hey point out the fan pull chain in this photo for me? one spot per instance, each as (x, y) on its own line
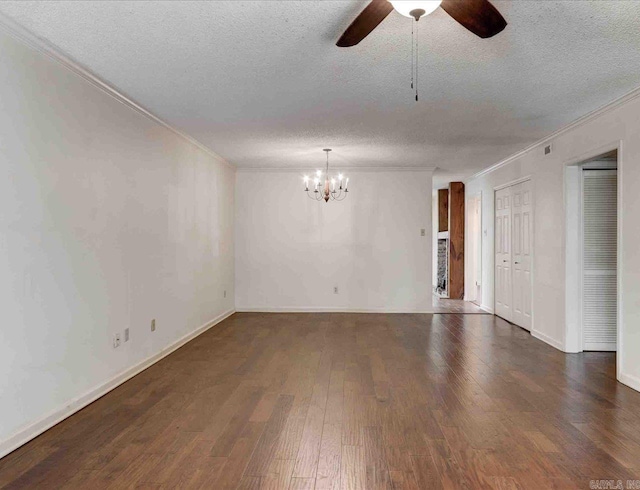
(416, 61)
(412, 54)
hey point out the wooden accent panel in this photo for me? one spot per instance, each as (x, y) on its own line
(456, 240)
(443, 210)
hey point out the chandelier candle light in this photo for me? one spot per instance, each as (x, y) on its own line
(328, 191)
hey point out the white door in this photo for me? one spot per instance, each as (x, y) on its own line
(513, 253)
(521, 254)
(477, 250)
(473, 255)
(599, 259)
(503, 253)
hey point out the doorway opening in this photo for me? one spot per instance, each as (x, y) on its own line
(451, 251)
(592, 217)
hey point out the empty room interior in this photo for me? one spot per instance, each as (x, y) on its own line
(351, 244)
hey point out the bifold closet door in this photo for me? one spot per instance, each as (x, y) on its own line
(513, 253)
(599, 259)
(521, 253)
(502, 275)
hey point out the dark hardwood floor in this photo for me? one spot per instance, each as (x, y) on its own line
(332, 401)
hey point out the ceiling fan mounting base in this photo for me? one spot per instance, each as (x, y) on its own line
(478, 16)
(417, 13)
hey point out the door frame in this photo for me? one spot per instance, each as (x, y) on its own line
(477, 197)
(533, 248)
(573, 341)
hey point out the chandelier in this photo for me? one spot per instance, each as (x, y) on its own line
(329, 190)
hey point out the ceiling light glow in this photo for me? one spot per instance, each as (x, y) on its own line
(405, 7)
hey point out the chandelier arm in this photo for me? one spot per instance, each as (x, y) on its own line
(311, 196)
(344, 196)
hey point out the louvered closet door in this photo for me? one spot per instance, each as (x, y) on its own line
(503, 253)
(599, 259)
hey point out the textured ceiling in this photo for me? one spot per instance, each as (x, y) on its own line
(263, 84)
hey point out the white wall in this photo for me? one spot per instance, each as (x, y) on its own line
(108, 220)
(618, 125)
(292, 251)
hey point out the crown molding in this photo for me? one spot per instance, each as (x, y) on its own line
(353, 169)
(513, 182)
(16, 31)
(590, 116)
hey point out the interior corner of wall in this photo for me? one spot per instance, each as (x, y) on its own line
(629, 380)
(487, 308)
(548, 340)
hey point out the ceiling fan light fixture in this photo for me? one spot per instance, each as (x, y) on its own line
(409, 8)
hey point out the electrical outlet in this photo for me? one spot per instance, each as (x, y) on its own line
(335, 290)
(225, 293)
(126, 335)
(153, 325)
(116, 340)
(423, 232)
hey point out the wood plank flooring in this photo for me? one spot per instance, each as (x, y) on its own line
(446, 305)
(349, 401)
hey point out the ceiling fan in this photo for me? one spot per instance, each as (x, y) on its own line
(478, 16)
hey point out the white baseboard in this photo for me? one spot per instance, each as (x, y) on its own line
(571, 350)
(27, 433)
(548, 340)
(324, 309)
(486, 308)
(632, 382)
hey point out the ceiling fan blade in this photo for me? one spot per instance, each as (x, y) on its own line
(479, 16)
(367, 21)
